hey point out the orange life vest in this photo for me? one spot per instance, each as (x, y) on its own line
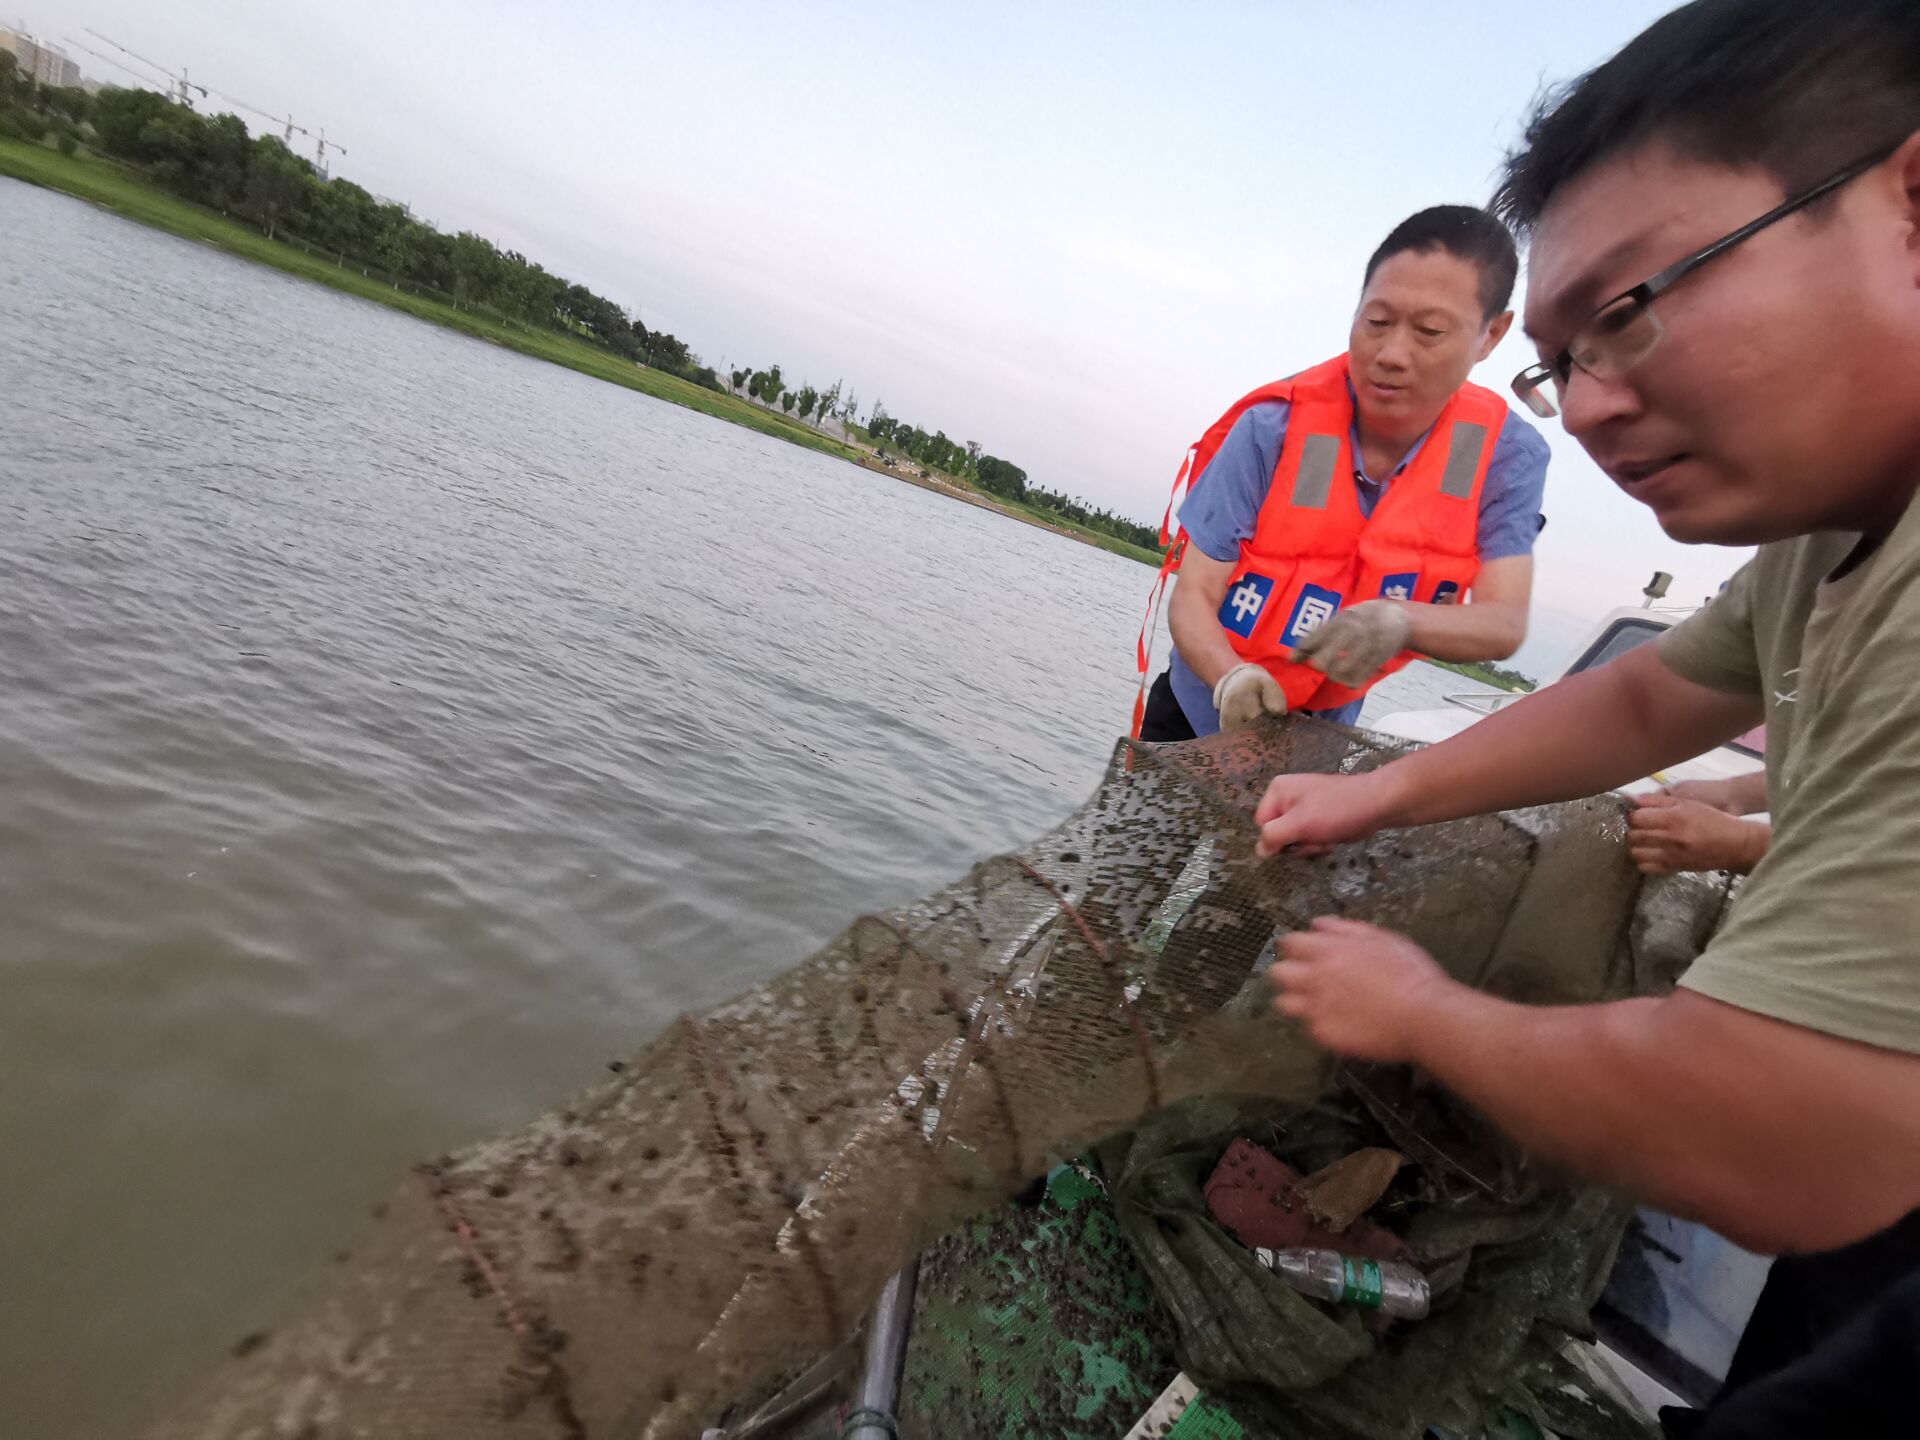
(1312, 551)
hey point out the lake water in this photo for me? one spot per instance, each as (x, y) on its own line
(392, 728)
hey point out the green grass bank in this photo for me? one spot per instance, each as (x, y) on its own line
(113, 187)
(124, 191)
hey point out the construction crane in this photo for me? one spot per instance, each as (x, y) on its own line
(320, 148)
(289, 129)
(179, 87)
(285, 121)
(109, 60)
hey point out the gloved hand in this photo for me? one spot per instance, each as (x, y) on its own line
(1245, 693)
(1353, 647)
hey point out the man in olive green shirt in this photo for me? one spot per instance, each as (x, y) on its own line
(1831, 939)
(1724, 289)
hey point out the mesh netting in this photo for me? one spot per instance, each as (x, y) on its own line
(723, 1210)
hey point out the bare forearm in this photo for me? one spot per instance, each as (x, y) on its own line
(1193, 621)
(1570, 1084)
(1747, 794)
(1581, 736)
(1757, 839)
(1479, 631)
(1778, 1137)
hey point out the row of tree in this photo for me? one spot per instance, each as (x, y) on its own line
(769, 388)
(213, 161)
(1002, 478)
(934, 451)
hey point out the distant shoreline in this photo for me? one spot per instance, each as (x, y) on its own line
(123, 191)
(1486, 673)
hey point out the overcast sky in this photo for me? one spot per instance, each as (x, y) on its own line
(1072, 233)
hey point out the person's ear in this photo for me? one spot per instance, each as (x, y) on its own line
(1496, 332)
(1906, 165)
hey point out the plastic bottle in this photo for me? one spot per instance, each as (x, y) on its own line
(1383, 1285)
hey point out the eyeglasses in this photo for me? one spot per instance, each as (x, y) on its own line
(1625, 331)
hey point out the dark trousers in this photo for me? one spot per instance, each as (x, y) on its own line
(1164, 719)
(1833, 1348)
(1862, 1383)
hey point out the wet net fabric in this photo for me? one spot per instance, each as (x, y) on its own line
(672, 1244)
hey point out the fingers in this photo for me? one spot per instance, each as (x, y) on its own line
(1325, 937)
(1287, 832)
(1311, 814)
(1657, 801)
(1276, 817)
(1284, 834)
(1273, 700)
(1661, 821)
(1657, 858)
(1711, 793)
(1341, 925)
(1317, 649)
(1313, 641)
(1288, 974)
(1245, 694)
(1280, 795)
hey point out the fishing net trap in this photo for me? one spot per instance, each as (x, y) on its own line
(662, 1254)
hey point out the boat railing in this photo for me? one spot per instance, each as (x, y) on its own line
(1479, 701)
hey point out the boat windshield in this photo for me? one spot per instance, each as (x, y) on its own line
(1625, 634)
(1631, 632)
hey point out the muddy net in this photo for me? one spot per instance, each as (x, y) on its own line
(672, 1245)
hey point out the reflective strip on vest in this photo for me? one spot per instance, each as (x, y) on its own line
(1463, 459)
(1313, 486)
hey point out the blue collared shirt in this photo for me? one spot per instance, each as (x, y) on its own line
(1223, 508)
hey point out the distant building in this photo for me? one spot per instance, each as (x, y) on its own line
(46, 63)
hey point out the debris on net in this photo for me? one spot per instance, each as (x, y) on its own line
(721, 1213)
(1514, 1275)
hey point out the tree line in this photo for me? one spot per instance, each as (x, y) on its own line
(1002, 478)
(934, 451)
(770, 388)
(213, 161)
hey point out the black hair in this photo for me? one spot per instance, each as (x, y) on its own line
(1465, 231)
(1798, 88)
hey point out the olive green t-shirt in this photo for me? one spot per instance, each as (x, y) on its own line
(1826, 933)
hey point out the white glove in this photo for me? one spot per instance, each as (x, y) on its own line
(1356, 644)
(1245, 693)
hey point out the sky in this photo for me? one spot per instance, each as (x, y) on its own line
(1073, 233)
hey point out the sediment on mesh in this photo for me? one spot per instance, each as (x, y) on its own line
(725, 1208)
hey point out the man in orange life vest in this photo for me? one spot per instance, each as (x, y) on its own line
(1364, 510)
